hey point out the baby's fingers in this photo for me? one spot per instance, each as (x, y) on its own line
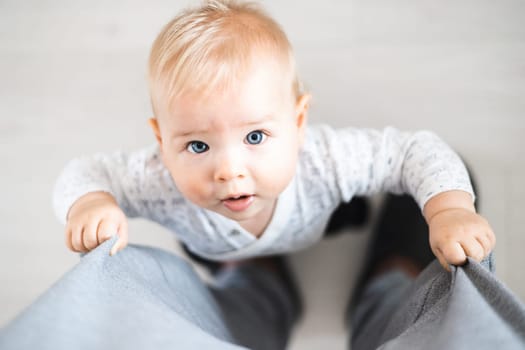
(106, 230)
(442, 261)
(451, 254)
(487, 241)
(122, 241)
(76, 239)
(475, 249)
(68, 238)
(89, 235)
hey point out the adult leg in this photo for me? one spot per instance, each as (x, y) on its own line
(466, 308)
(260, 302)
(147, 298)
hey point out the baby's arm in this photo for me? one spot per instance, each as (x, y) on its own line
(367, 161)
(456, 231)
(93, 196)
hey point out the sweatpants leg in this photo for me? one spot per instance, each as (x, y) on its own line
(467, 308)
(259, 309)
(141, 298)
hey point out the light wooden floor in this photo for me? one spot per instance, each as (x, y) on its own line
(72, 82)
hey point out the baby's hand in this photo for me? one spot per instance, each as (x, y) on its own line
(457, 233)
(93, 219)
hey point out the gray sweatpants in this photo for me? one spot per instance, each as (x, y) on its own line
(465, 309)
(146, 298)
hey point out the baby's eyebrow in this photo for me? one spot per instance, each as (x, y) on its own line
(184, 133)
(187, 133)
(261, 120)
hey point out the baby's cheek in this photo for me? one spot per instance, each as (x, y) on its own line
(195, 193)
(278, 172)
(191, 187)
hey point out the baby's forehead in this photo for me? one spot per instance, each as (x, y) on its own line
(264, 80)
(249, 103)
(219, 74)
(213, 48)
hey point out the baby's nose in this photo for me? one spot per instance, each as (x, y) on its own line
(229, 167)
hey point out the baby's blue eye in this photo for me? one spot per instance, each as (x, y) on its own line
(255, 137)
(197, 147)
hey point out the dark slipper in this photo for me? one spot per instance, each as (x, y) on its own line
(353, 214)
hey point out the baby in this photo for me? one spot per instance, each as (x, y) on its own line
(236, 171)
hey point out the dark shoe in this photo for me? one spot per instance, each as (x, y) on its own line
(353, 214)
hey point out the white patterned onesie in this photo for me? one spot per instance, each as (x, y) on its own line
(334, 165)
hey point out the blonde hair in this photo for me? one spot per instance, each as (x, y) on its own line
(212, 47)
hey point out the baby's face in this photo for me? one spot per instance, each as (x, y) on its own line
(236, 151)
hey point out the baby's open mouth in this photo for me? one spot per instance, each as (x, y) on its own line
(238, 197)
(238, 202)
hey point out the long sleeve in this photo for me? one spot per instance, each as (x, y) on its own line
(143, 187)
(366, 161)
(334, 165)
(132, 179)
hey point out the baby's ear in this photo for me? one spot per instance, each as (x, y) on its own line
(301, 109)
(301, 113)
(154, 124)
